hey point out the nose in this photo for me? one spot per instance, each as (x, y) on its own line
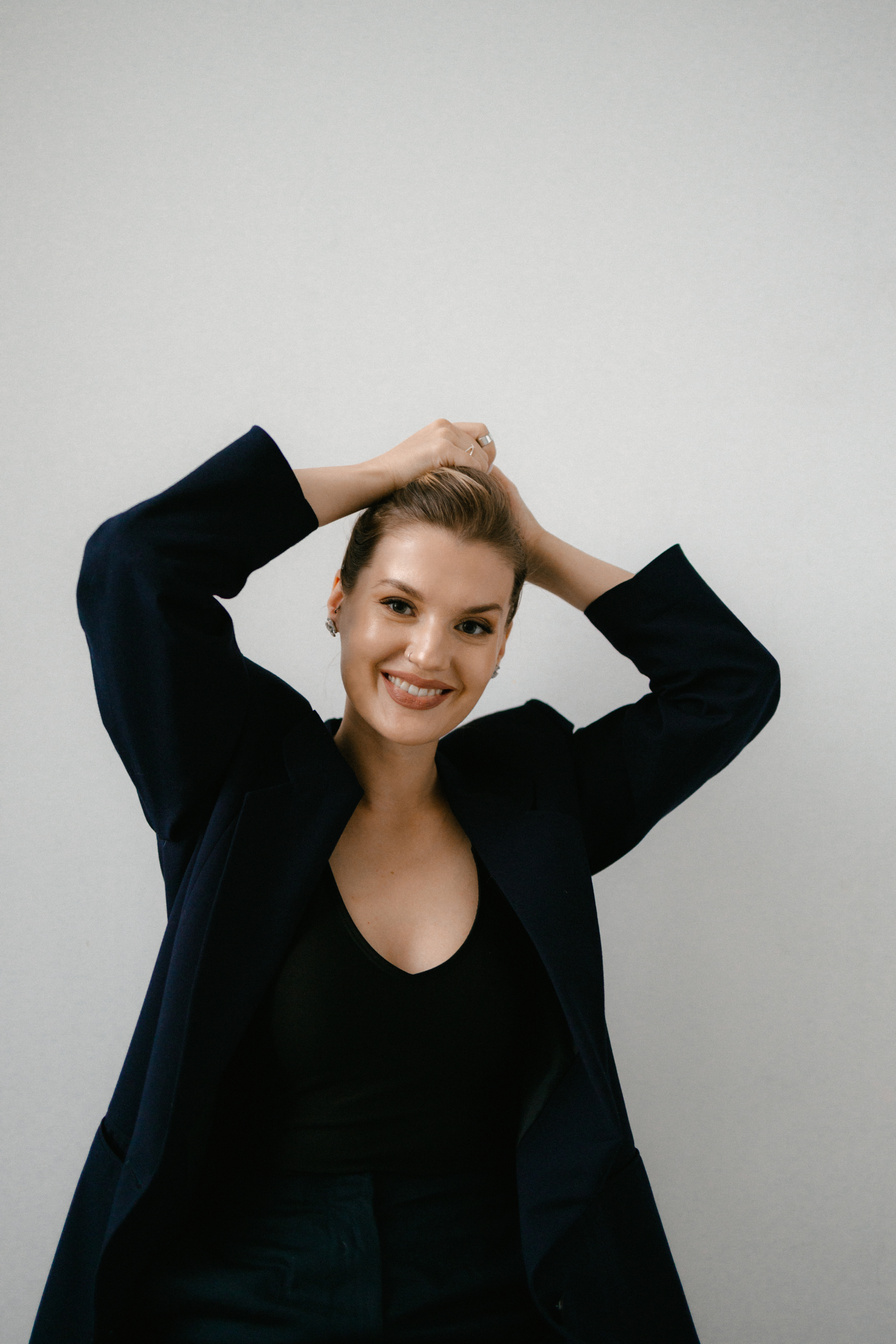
(427, 647)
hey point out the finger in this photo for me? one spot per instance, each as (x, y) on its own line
(483, 454)
(488, 447)
(474, 429)
(490, 451)
(476, 456)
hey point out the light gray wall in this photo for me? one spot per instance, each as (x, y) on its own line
(652, 246)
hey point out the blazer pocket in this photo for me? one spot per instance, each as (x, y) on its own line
(115, 1147)
(614, 1270)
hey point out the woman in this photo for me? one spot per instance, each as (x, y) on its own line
(371, 1094)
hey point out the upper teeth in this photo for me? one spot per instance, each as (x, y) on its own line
(412, 690)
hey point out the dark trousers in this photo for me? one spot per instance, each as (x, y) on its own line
(333, 1259)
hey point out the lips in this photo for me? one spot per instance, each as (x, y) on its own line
(423, 695)
(413, 680)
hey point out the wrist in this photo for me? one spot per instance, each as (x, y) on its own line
(335, 492)
(538, 551)
(378, 475)
(571, 574)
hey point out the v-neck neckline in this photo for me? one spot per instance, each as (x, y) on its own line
(389, 966)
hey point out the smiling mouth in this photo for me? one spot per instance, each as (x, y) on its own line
(409, 696)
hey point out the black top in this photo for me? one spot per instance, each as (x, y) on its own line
(380, 1069)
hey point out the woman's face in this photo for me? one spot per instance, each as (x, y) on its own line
(429, 610)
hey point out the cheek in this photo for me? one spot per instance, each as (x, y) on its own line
(365, 644)
(369, 640)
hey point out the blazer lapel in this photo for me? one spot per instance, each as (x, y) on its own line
(283, 840)
(280, 846)
(536, 858)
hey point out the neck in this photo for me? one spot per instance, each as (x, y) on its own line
(398, 779)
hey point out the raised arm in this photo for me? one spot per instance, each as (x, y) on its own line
(713, 686)
(170, 680)
(554, 564)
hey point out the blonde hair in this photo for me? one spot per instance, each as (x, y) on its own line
(461, 500)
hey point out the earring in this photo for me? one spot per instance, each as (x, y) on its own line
(331, 625)
(495, 673)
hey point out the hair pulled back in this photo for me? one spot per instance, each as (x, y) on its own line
(461, 500)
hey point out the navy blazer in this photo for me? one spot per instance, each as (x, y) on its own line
(248, 793)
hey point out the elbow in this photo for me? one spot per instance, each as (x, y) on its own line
(94, 568)
(771, 677)
(106, 554)
(747, 709)
(751, 695)
(767, 691)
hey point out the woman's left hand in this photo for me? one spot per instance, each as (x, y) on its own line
(530, 529)
(555, 565)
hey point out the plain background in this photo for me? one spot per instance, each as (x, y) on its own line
(651, 245)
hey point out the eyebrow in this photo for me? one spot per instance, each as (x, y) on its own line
(412, 592)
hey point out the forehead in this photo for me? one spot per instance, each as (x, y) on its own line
(440, 564)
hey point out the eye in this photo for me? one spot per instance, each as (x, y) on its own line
(478, 630)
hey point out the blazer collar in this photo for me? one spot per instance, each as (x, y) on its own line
(316, 766)
(317, 769)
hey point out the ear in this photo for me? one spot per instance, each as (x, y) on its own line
(507, 629)
(337, 594)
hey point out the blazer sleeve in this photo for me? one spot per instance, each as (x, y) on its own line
(713, 687)
(171, 683)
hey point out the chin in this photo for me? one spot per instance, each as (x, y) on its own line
(408, 727)
(413, 728)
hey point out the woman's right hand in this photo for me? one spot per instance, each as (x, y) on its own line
(334, 492)
(444, 443)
